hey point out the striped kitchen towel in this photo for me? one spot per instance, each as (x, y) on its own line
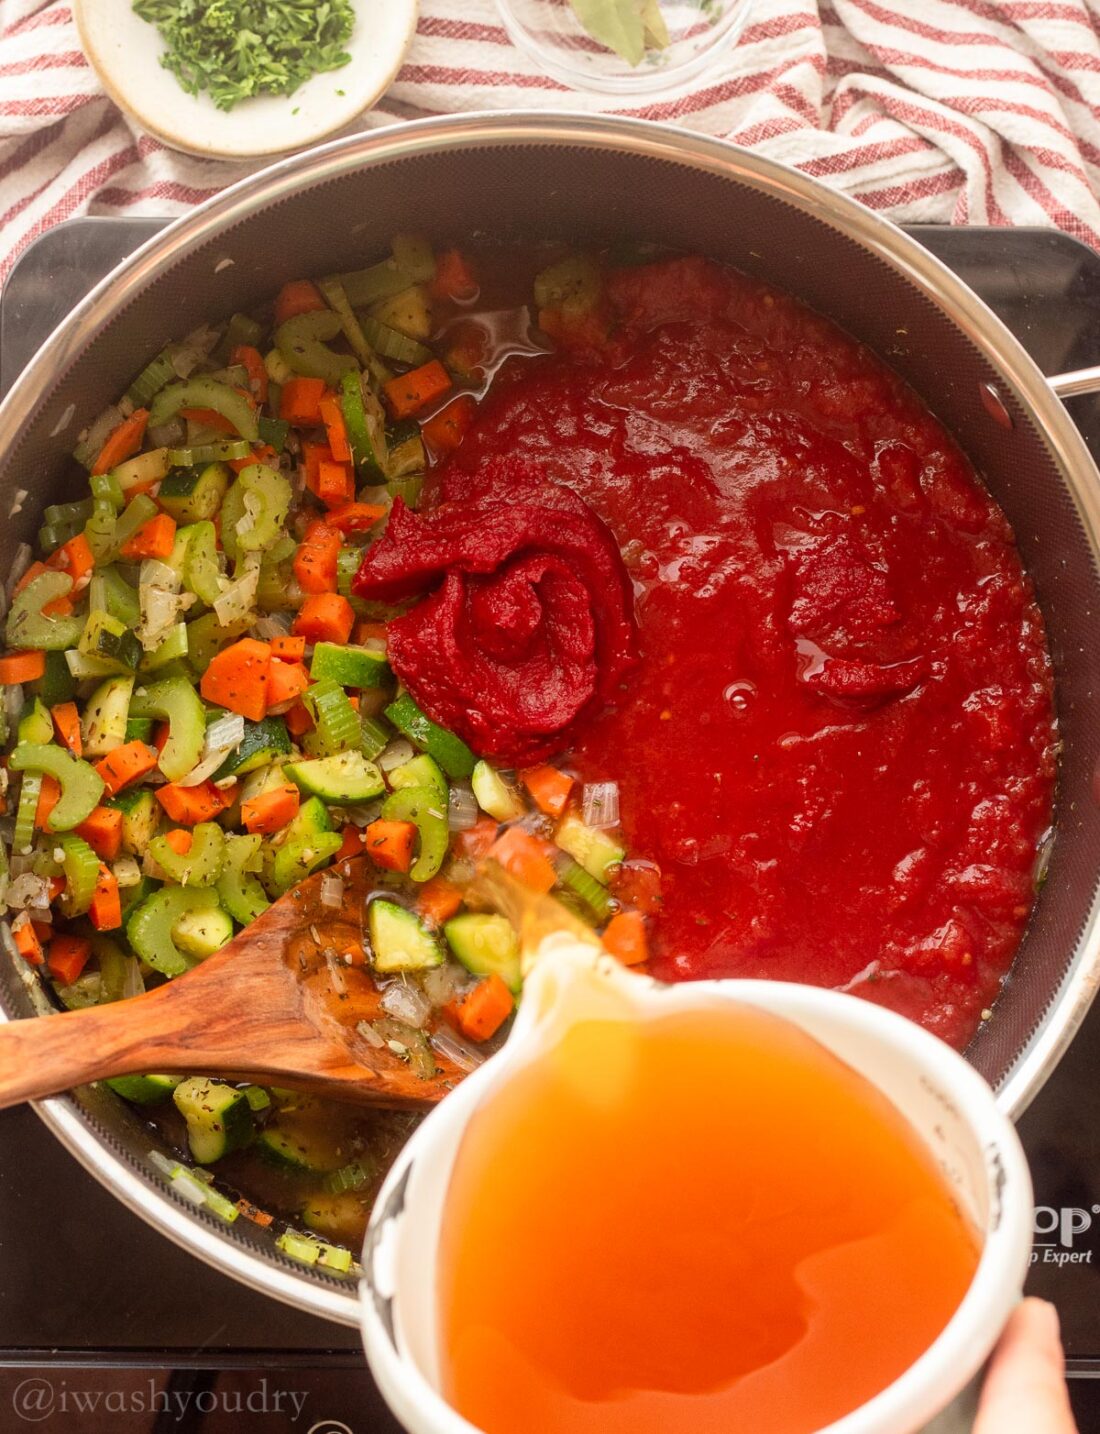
(937, 111)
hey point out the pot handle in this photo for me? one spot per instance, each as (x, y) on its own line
(1080, 380)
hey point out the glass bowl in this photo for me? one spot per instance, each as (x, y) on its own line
(625, 47)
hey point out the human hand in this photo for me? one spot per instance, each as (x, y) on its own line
(1025, 1390)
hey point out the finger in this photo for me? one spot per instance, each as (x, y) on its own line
(1025, 1390)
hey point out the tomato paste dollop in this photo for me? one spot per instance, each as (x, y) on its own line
(528, 623)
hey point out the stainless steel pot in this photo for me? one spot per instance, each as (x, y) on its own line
(335, 208)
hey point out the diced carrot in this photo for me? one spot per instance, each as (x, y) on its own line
(252, 361)
(237, 678)
(300, 296)
(48, 798)
(335, 485)
(161, 732)
(286, 681)
(549, 788)
(352, 844)
(75, 558)
(390, 844)
(482, 1013)
(356, 517)
(445, 430)
(524, 856)
(467, 348)
(106, 908)
(300, 401)
(27, 943)
(297, 719)
(368, 631)
(154, 539)
(289, 648)
(123, 442)
(190, 805)
(271, 810)
(68, 956)
(66, 723)
(332, 415)
(475, 841)
(313, 455)
(210, 418)
(262, 453)
(44, 931)
(454, 279)
(57, 886)
(315, 561)
(438, 900)
(180, 840)
(625, 937)
(102, 830)
(325, 617)
(16, 667)
(125, 765)
(410, 392)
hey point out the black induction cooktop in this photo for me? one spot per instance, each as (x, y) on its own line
(107, 1328)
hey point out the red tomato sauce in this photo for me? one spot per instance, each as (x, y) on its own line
(839, 746)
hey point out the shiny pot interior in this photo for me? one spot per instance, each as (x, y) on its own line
(336, 208)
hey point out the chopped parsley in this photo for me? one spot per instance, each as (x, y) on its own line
(235, 49)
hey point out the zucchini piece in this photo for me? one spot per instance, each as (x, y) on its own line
(36, 724)
(486, 944)
(407, 459)
(81, 785)
(349, 666)
(141, 816)
(413, 253)
(148, 467)
(338, 1217)
(399, 940)
(264, 741)
(106, 714)
(201, 933)
(218, 1117)
(409, 312)
(391, 343)
(175, 700)
(449, 751)
(144, 1089)
(342, 780)
(422, 807)
(301, 1145)
(421, 771)
(594, 849)
(108, 640)
(150, 927)
(140, 729)
(193, 495)
(310, 842)
(172, 648)
(57, 683)
(494, 795)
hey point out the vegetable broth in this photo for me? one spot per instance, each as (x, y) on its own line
(690, 1223)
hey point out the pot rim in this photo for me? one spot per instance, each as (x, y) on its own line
(520, 129)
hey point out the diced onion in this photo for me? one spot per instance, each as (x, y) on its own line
(207, 767)
(462, 809)
(452, 1048)
(155, 574)
(225, 733)
(167, 435)
(272, 625)
(396, 754)
(28, 892)
(369, 1034)
(406, 1003)
(132, 984)
(443, 983)
(601, 804)
(20, 563)
(335, 971)
(363, 813)
(126, 871)
(238, 598)
(332, 890)
(13, 703)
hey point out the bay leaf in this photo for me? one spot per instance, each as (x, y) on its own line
(653, 24)
(617, 24)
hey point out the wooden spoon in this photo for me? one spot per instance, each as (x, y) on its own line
(278, 1001)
